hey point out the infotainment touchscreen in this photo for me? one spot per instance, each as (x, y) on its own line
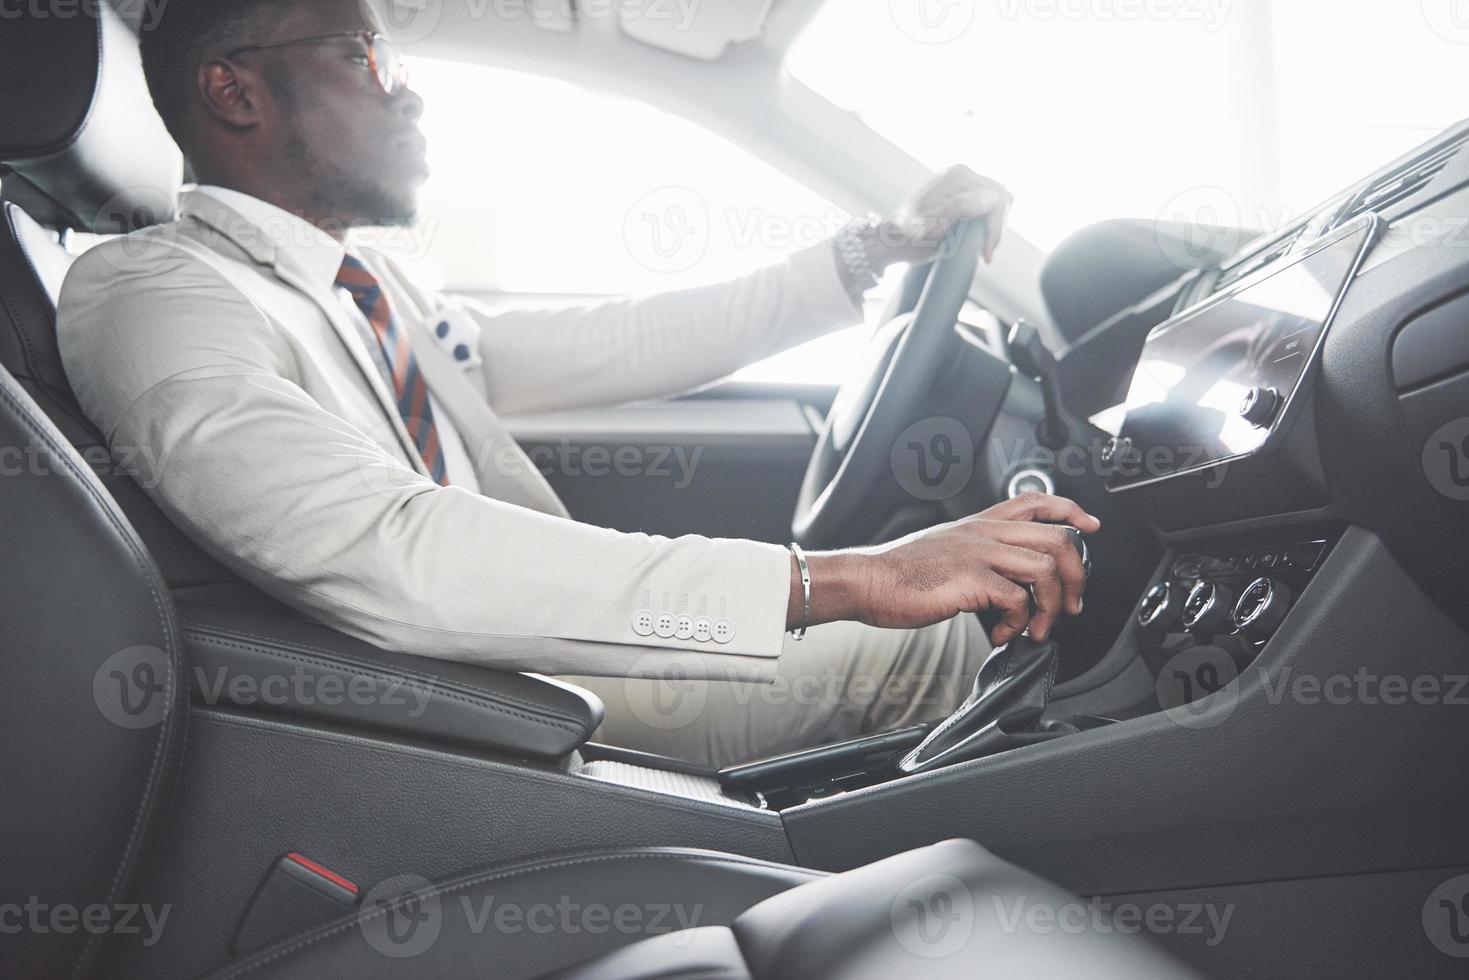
(1216, 381)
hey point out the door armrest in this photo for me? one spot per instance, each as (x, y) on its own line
(309, 673)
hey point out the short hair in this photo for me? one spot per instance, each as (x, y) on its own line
(177, 38)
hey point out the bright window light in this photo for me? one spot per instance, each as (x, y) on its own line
(1244, 112)
(546, 193)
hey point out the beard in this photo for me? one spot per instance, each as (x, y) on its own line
(331, 190)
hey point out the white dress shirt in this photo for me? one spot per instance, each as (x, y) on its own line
(321, 255)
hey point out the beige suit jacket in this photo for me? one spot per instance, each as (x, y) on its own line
(204, 351)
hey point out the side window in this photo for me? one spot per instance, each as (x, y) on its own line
(545, 192)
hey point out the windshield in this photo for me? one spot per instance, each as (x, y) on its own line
(1237, 112)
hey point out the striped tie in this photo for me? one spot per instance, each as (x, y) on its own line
(408, 383)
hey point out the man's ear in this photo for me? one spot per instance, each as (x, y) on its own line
(229, 95)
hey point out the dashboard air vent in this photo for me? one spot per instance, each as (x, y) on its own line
(1404, 182)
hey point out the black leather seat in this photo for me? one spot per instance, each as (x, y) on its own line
(92, 699)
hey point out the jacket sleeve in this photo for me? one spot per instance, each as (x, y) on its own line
(657, 346)
(170, 358)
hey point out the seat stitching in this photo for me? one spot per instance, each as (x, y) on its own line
(454, 886)
(373, 672)
(170, 638)
(304, 648)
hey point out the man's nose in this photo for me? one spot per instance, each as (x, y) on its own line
(410, 104)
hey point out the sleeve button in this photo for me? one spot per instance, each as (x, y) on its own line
(723, 631)
(703, 629)
(683, 627)
(664, 626)
(642, 622)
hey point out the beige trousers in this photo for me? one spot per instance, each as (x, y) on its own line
(842, 681)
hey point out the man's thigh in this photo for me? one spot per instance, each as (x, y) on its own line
(842, 681)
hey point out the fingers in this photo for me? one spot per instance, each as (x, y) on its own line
(995, 228)
(1054, 542)
(1038, 570)
(1044, 507)
(1012, 602)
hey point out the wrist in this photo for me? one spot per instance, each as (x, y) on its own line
(840, 585)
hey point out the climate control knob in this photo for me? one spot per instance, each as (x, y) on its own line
(1159, 608)
(1262, 608)
(1207, 608)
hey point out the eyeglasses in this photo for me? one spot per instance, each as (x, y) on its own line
(381, 58)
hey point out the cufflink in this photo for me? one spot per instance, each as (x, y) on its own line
(456, 333)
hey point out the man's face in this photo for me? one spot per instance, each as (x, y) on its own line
(357, 151)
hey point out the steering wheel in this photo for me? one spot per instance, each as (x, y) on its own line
(908, 352)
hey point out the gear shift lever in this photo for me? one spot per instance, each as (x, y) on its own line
(1004, 711)
(1010, 694)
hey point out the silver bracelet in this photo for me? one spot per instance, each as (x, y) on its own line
(799, 633)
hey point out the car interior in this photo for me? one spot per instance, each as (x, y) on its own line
(1255, 720)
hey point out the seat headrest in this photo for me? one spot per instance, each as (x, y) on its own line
(81, 145)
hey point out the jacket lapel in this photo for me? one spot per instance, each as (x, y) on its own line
(505, 472)
(225, 221)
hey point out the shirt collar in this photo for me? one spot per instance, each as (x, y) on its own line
(318, 254)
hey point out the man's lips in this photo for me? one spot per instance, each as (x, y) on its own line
(414, 142)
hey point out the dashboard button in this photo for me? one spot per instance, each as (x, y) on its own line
(1262, 608)
(1159, 607)
(1303, 557)
(1207, 608)
(1268, 559)
(1259, 406)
